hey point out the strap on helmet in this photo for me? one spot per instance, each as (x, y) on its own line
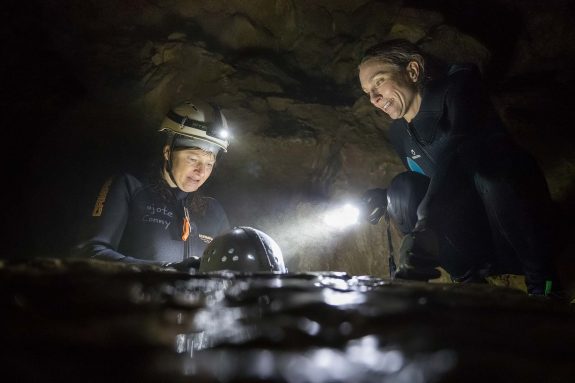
(169, 162)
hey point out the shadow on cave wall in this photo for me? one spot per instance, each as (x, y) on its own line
(496, 25)
(38, 86)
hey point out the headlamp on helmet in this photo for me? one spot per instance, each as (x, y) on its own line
(197, 124)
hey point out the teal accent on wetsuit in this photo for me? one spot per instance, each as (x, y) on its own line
(413, 166)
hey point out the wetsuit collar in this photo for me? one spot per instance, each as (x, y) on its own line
(179, 193)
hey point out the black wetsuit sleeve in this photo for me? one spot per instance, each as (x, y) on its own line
(467, 105)
(108, 221)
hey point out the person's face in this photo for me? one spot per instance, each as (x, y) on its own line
(190, 167)
(391, 89)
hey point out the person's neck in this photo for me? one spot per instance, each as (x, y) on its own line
(179, 193)
(413, 108)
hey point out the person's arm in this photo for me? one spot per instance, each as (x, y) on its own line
(467, 106)
(107, 222)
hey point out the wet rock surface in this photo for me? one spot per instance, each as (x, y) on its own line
(79, 320)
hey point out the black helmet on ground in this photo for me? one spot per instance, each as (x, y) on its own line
(243, 249)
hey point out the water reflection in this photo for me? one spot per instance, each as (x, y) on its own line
(148, 326)
(248, 322)
(322, 365)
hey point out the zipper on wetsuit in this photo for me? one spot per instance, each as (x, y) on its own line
(186, 229)
(415, 139)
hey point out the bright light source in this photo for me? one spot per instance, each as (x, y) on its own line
(342, 217)
(224, 133)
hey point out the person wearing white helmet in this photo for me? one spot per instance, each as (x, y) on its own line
(162, 218)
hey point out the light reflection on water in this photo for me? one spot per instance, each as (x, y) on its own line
(306, 327)
(246, 324)
(322, 365)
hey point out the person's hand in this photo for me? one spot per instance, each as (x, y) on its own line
(373, 205)
(187, 265)
(418, 256)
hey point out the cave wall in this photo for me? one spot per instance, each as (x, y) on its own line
(89, 81)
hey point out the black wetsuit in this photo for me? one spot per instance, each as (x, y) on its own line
(484, 195)
(142, 222)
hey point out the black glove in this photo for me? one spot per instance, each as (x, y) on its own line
(373, 205)
(187, 265)
(418, 256)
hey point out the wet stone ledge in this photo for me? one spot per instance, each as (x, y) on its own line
(89, 321)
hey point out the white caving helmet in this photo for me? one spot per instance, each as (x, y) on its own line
(194, 123)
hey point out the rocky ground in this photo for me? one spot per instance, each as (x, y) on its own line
(78, 320)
